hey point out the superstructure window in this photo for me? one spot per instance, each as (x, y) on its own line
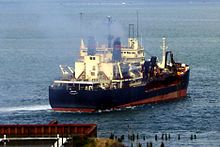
(92, 58)
(92, 73)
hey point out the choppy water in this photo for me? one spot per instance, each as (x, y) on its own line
(37, 36)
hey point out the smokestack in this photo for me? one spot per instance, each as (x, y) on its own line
(91, 46)
(116, 56)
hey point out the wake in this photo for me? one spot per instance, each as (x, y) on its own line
(25, 108)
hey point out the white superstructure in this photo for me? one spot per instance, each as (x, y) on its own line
(101, 66)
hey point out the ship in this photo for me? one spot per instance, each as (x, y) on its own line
(113, 76)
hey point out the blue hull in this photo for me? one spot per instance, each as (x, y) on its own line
(62, 99)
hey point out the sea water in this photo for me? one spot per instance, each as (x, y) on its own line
(37, 36)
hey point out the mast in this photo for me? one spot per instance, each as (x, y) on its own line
(164, 47)
(80, 23)
(137, 25)
(110, 37)
(82, 45)
(131, 31)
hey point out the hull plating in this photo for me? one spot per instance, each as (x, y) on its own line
(62, 99)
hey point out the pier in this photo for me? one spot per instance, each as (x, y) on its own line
(52, 134)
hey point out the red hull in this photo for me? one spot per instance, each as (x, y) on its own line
(74, 110)
(167, 97)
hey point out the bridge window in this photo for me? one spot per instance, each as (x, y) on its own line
(92, 58)
(92, 73)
